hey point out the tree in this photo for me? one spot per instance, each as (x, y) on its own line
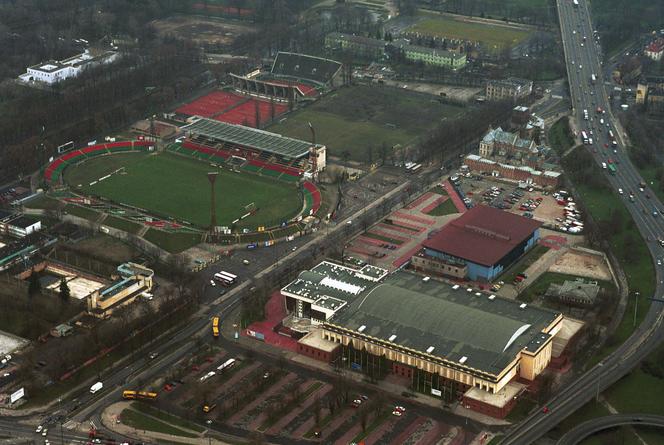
(34, 285)
(65, 293)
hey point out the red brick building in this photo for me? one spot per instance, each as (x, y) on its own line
(514, 173)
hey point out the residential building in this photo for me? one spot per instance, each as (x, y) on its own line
(521, 173)
(484, 240)
(650, 94)
(54, 71)
(511, 88)
(655, 49)
(359, 45)
(453, 60)
(438, 339)
(510, 147)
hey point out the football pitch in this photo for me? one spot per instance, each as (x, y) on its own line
(494, 35)
(171, 185)
(362, 118)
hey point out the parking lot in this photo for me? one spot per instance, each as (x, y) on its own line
(281, 402)
(552, 209)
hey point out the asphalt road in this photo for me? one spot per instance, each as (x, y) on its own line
(593, 426)
(582, 62)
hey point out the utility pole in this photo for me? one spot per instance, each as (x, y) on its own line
(636, 305)
(212, 177)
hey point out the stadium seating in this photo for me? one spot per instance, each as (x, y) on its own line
(53, 170)
(211, 104)
(306, 90)
(301, 66)
(245, 113)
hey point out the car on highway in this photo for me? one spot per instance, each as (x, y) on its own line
(620, 191)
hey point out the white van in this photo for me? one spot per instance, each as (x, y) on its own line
(603, 164)
(96, 387)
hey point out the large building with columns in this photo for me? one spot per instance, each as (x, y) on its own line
(444, 339)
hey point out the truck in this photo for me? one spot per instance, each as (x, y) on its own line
(96, 387)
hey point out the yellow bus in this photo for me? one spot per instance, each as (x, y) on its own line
(215, 326)
(209, 407)
(140, 395)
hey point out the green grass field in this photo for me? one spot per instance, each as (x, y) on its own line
(494, 36)
(174, 186)
(365, 117)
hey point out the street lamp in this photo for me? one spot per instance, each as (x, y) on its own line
(636, 305)
(599, 378)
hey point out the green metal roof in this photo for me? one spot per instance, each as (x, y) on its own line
(489, 333)
(251, 137)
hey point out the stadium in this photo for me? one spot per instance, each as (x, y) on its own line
(264, 183)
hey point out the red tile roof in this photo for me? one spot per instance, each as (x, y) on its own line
(483, 235)
(656, 46)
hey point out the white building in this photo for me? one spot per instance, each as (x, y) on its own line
(18, 226)
(54, 71)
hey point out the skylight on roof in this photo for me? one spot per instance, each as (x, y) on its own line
(342, 286)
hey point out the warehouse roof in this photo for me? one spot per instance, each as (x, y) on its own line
(470, 328)
(483, 235)
(251, 137)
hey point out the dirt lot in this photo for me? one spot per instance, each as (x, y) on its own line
(584, 264)
(212, 31)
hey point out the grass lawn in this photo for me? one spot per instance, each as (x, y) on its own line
(495, 36)
(444, 208)
(590, 410)
(542, 284)
(439, 189)
(523, 406)
(122, 224)
(82, 212)
(43, 202)
(382, 238)
(166, 417)
(637, 392)
(140, 421)
(173, 242)
(363, 117)
(174, 186)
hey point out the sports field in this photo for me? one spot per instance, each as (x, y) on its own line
(494, 36)
(362, 117)
(170, 185)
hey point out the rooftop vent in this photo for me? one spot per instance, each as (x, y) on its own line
(361, 328)
(463, 359)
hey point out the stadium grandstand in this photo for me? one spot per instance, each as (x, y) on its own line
(226, 106)
(254, 150)
(301, 67)
(273, 89)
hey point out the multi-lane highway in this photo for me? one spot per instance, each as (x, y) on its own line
(582, 57)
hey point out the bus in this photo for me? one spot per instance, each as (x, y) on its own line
(584, 136)
(226, 365)
(415, 168)
(612, 169)
(225, 278)
(139, 395)
(215, 327)
(207, 407)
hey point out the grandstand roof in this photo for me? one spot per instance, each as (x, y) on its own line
(302, 66)
(251, 137)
